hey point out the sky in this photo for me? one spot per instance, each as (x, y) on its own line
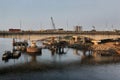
(35, 14)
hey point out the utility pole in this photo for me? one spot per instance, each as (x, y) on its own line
(20, 25)
(67, 25)
(112, 27)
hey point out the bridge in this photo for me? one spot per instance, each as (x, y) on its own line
(39, 35)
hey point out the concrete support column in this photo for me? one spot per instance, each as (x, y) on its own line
(83, 40)
(76, 38)
(95, 42)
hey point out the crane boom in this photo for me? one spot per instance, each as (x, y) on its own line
(53, 24)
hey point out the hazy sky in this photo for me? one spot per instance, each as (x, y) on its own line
(35, 14)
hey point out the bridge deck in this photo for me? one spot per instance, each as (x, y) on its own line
(97, 35)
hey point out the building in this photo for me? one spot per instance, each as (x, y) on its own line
(78, 28)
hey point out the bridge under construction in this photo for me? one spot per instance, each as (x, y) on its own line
(38, 35)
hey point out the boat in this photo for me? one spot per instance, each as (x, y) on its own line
(16, 54)
(6, 55)
(20, 46)
(11, 55)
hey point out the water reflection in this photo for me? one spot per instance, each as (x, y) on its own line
(76, 52)
(64, 56)
(60, 56)
(33, 56)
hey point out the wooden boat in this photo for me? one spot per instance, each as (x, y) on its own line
(16, 54)
(20, 43)
(6, 55)
(11, 55)
(20, 48)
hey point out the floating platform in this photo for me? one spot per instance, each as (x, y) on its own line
(33, 49)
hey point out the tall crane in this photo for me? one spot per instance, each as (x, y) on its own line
(53, 24)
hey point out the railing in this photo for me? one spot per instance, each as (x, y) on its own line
(62, 32)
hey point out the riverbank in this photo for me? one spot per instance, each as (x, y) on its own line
(107, 48)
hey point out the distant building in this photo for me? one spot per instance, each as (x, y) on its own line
(78, 28)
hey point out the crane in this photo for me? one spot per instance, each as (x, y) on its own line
(53, 24)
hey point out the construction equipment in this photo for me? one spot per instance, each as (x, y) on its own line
(53, 24)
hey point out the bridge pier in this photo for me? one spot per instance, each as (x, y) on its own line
(60, 50)
(76, 38)
(96, 42)
(83, 40)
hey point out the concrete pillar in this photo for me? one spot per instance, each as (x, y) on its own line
(71, 42)
(76, 38)
(95, 42)
(62, 50)
(83, 40)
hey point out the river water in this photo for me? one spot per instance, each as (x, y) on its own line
(71, 65)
